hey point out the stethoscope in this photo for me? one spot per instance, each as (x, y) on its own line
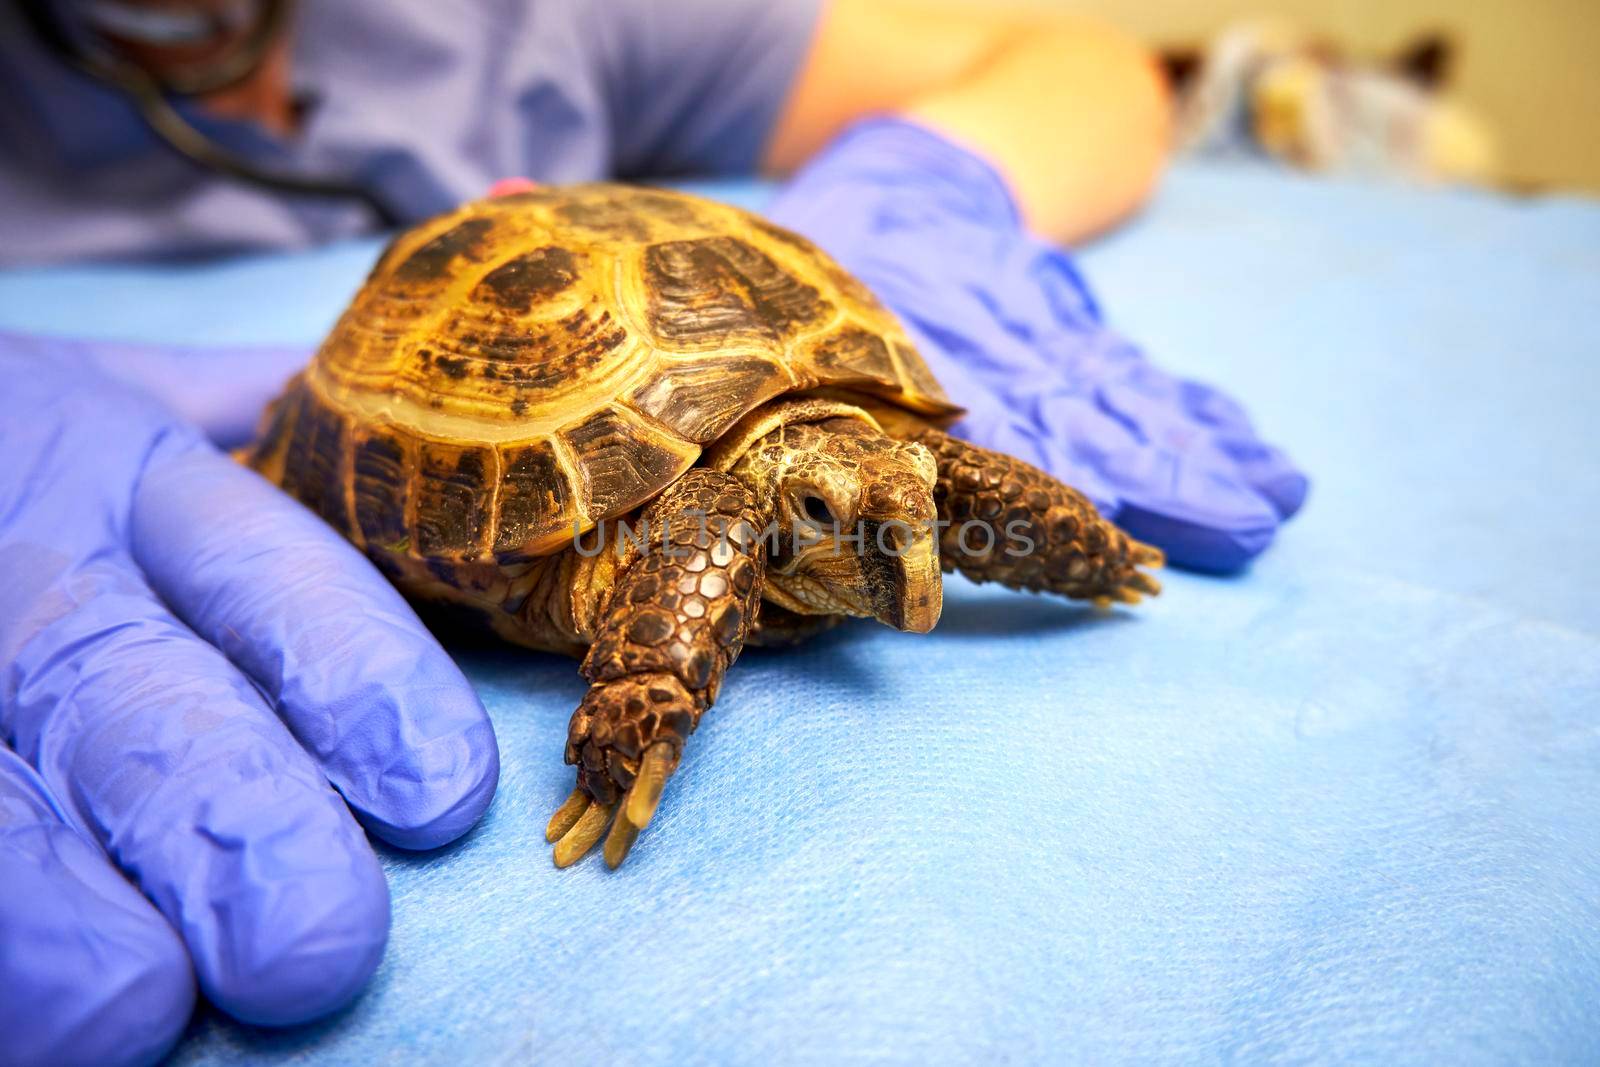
(153, 97)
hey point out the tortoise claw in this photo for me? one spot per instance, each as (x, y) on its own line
(1144, 583)
(645, 793)
(581, 819)
(578, 840)
(621, 838)
(566, 815)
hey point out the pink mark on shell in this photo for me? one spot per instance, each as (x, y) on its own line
(507, 186)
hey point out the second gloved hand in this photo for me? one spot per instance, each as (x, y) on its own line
(1012, 331)
(205, 695)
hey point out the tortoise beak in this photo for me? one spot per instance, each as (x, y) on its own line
(907, 590)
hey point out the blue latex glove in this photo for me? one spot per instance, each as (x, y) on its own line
(189, 660)
(1010, 328)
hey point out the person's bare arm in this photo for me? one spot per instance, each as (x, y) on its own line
(1073, 113)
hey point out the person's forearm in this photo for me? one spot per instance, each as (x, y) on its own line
(1076, 119)
(1073, 113)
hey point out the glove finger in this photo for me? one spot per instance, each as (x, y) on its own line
(168, 757)
(1204, 519)
(220, 389)
(1213, 408)
(1268, 471)
(1161, 409)
(1259, 465)
(346, 662)
(1230, 478)
(91, 972)
(1191, 410)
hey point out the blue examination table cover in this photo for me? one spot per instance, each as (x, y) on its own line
(1343, 806)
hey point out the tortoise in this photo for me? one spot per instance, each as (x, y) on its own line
(647, 429)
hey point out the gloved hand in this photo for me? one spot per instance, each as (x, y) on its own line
(190, 665)
(1010, 328)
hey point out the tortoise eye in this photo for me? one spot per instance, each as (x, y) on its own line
(817, 510)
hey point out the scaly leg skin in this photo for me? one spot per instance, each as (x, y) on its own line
(1074, 552)
(777, 627)
(676, 619)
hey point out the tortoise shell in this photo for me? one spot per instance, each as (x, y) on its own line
(527, 366)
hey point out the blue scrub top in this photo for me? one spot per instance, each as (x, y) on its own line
(427, 102)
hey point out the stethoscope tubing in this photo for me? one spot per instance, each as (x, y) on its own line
(153, 100)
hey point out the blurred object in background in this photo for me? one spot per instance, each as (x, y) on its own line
(1270, 88)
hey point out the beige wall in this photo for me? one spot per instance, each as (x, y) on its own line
(1532, 68)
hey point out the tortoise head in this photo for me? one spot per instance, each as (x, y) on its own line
(853, 522)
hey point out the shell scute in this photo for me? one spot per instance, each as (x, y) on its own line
(916, 371)
(536, 497)
(614, 212)
(434, 260)
(529, 356)
(721, 291)
(624, 463)
(314, 460)
(453, 493)
(382, 467)
(699, 399)
(854, 355)
(523, 281)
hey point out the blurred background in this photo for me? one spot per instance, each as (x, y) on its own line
(1528, 71)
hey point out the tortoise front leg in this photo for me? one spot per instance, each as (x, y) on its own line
(676, 619)
(1009, 522)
